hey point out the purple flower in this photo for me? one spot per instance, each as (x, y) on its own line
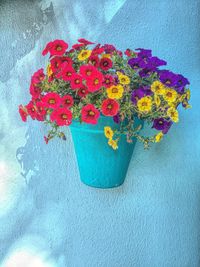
(162, 125)
(147, 71)
(137, 94)
(181, 80)
(116, 79)
(144, 53)
(116, 118)
(156, 62)
(136, 63)
(168, 78)
(147, 90)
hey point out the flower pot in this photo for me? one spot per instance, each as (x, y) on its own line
(99, 165)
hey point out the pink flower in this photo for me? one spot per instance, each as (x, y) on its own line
(95, 81)
(76, 81)
(90, 114)
(51, 100)
(108, 80)
(87, 70)
(31, 109)
(38, 76)
(35, 91)
(62, 116)
(67, 101)
(55, 48)
(84, 41)
(67, 72)
(23, 113)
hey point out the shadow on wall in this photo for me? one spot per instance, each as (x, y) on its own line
(21, 25)
(47, 170)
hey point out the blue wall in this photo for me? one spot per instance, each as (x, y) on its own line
(47, 217)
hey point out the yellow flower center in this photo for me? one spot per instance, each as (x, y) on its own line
(58, 48)
(77, 81)
(52, 101)
(64, 116)
(169, 94)
(88, 72)
(69, 74)
(96, 81)
(91, 113)
(115, 90)
(144, 104)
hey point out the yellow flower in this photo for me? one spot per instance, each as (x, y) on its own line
(84, 54)
(158, 88)
(186, 105)
(113, 143)
(170, 95)
(123, 79)
(144, 104)
(115, 91)
(108, 132)
(157, 100)
(158, 137)
(188, 94)
(49, 70)
(173, 114)
(180, 98)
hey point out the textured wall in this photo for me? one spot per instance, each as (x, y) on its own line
(47, 217)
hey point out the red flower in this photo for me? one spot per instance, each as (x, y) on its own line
(23, 113)
(119, 53)
(105, 63)
(38, 76)
(110, 107)
(76, 81)
(67, 101)
(87, 70)
(77, 46)
(127, 52)
(57, 62)
(94, 60)
(62, 116)
(84, 41)
(31, 109)
(67, 72)
(94, 82)
(41, 111)
(108, 80)
(46, 49)
(46, 139)
(35, 91)
(51, 100)
(90, 114)
(97, 50)
(52, 77)
(82, 92)
(55, 48)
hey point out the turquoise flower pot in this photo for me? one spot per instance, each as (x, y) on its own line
(99, 165)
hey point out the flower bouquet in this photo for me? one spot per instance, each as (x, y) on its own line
(101, 89)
